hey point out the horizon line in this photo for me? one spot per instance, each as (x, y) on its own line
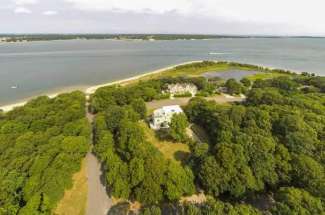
(185, 34)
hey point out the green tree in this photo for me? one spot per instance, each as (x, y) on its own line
(291, 200)
(177, 129)
(149, 191)
(179, 181)
(227, 171)
(137, 171)
(200, 150)
(246, 82)
(140, 107)
(233, 87)
(152, 210)
(104, 144)
(309, 174)
(213, 206)
(117, 176)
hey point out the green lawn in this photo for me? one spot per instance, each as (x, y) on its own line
(173, 151)
(266, 75)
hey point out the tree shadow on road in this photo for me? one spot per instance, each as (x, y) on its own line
(102, 179)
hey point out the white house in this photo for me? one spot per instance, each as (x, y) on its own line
(183, 88)
(162, 117)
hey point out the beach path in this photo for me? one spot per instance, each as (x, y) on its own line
(98, 201)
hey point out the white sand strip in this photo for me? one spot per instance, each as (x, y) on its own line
(10, 107)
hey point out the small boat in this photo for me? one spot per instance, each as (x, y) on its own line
(216, 53)
(14, 87)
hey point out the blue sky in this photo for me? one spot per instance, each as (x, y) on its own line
(257, 17)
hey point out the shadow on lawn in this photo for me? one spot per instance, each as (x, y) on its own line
(181, 156)
(163, 135)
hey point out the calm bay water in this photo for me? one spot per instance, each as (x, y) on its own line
(41, 67)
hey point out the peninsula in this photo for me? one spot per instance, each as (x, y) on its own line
(248, 145)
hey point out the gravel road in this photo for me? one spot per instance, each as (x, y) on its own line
(98, 201)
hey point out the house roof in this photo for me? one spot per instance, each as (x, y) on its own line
(173, 109)
(168, 110)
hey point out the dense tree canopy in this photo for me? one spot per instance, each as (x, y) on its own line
(135, 169)
(217, 207)
(276, 137)
(297, 201)
(41, 144)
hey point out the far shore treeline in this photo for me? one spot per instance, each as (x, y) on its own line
(49, 37)
(265, 155)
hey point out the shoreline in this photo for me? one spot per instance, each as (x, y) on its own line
(50, 94)
(88, 90)
(91, 89)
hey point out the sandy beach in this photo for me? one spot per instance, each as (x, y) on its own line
(9, 107)
(90, 90)
(93, 89)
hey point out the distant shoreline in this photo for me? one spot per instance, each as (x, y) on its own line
(13, 38)
(21, 38)
(90, 90)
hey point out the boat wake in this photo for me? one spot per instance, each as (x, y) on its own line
(217, 53)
